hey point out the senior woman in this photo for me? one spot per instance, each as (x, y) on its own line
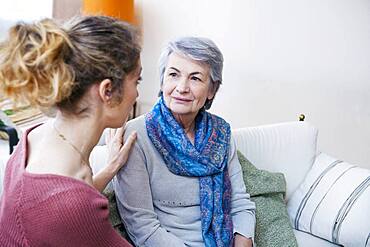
(182, 184)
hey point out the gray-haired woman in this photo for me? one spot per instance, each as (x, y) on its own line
(183, 184)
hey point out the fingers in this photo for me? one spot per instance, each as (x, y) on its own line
(108, 135)
(115, 135)
(119, 134)
(129, 142)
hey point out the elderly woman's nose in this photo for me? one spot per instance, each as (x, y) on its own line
(183, 85)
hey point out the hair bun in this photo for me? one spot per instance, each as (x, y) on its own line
(32, 64)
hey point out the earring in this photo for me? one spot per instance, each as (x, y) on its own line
(108, 93)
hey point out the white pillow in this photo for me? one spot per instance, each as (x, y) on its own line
(98, 160)
(3, 162)
(333, 202)
(288, 147)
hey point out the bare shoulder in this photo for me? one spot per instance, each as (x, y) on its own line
(49, 155)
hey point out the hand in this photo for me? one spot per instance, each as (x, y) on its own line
(241, 241)
(117, 150)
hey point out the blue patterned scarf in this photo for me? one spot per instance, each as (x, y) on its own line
(206, 159)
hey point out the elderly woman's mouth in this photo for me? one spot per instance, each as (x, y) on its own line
(182, 100)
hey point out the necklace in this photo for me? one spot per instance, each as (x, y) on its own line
(71, 144)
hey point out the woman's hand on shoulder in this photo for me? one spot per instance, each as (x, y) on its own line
(241, 241)
(117, 156)
(118, 150)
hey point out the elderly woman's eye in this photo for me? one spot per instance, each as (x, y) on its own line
(194, 78)
(172, 74)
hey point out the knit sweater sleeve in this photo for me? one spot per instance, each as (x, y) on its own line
(242, 209)
(134, 198)
(77, 216)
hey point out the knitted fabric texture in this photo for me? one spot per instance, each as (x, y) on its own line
(52, 210)
(267, 189)
(206, 159)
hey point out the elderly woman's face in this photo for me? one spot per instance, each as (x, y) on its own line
(186, 85)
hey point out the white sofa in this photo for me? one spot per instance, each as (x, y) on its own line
(289, 148)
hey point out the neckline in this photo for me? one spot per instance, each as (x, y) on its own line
(45, 175)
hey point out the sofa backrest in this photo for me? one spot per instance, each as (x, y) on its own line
(288, 147)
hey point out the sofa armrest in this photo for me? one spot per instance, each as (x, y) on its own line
(12, 133)
(288, 147)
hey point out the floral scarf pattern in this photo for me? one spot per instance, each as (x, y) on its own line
(206, 159)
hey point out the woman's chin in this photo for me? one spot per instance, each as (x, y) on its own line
(181, 110)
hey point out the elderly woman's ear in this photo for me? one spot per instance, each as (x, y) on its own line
(214, 86)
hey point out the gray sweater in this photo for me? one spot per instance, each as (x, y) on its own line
(160, 208)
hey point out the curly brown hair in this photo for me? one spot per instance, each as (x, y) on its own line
(47, 64)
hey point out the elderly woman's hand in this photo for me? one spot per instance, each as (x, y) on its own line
(241, 241)
(118, 151)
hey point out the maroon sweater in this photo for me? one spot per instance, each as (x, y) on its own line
(51, 210)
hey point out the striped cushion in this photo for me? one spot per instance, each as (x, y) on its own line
(333, 202)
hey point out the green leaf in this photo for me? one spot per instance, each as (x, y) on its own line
(9, 112)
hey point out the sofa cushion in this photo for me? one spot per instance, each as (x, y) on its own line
(114, 215)
(98, 160)
(289, 148)
(308, 240)
(333, 202)
(3, 162)
(267, 191)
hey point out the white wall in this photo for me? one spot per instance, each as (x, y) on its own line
(282, 58)
(22, 10)
(25, 10)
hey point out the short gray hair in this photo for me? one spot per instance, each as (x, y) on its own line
(199, 49)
